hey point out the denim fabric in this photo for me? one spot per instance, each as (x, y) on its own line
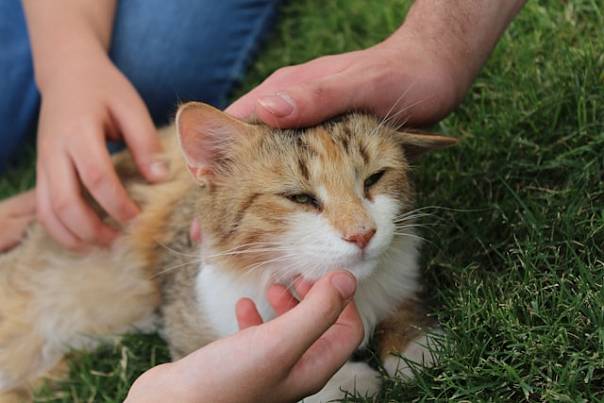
(171, 50)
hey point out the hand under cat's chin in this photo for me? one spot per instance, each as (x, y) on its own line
(359, 268)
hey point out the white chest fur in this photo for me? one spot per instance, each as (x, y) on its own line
(219, 290)
(377, 295)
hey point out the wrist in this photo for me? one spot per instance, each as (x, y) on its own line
(69, 62)
(447, 64)
(63, 31)
(458, 35)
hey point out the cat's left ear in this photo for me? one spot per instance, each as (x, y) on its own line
(207, 137)
(416, 144)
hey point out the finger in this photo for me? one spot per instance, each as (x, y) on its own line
(195, 231)
(69, 206)
(280, 299)
(286, 77)
(141, 136)
(321, 308)
(247, 314)
(48, 219)
(303, 287)
(329, 352)
(311, 102)
(13, 231)
(95, 168)
(21, 204)
(245, 106)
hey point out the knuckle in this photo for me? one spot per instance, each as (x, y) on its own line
(43, 217)
(320, 91)
(62, 204)
(72, 245)
(330, 309)
(94, 178)
(281, 73)
(314, 386)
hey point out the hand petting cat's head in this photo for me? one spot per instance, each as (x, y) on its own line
(299, 202)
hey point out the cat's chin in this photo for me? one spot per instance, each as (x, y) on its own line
(360, 270)
(363, 269)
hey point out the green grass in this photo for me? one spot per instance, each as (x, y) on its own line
(515, 264)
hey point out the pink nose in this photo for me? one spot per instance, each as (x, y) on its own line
(361, 239)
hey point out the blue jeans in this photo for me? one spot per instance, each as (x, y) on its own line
(171, 50)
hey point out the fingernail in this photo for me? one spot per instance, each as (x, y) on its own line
(280, 105)
(158, 170)
(345, 284)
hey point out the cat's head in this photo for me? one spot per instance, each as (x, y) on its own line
(299, 202)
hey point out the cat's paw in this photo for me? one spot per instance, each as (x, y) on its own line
(423, 351)
(353, 378)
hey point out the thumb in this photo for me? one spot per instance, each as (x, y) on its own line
(321, 308)
(311, 102)
(142, 138)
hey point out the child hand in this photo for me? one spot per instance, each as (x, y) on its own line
(83, 104)
(16, 213)
(281, 360)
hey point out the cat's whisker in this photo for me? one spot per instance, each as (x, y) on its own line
(248, 251)
(408, 107)
(415, 236)
(172, 250)
(258, 243)
(402, 227)
(169, 269)
(254, 267)
(388, 117)
(411, 216)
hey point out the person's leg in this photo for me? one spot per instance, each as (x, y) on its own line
(180, 50)
(19, 98)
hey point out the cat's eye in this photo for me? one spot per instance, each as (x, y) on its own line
(373, 179)
(304, 198)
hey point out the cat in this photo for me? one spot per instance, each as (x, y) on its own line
(273, 204)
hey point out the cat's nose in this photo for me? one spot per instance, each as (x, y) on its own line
(361, 239)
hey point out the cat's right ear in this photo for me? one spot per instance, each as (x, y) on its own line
(206, 136)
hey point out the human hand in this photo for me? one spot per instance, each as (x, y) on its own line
(16, 213)
(406, 83)
(84, 103)
(282, 360)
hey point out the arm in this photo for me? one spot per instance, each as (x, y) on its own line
(417, 75)
(463, 33)
(66, 30)
(85, 100)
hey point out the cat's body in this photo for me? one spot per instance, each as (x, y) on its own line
(260, 224)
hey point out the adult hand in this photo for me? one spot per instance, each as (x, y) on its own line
(16, 213)
(416, 76)
(282, 360)
(405, 84)
(83, 104)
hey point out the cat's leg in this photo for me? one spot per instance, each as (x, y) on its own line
(408, 335)
(51, 303)
(24, 392)
(354, 378)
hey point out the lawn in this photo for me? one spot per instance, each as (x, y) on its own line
(514, 262)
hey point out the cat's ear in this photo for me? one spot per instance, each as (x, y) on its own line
(206, 136)
(416, 144)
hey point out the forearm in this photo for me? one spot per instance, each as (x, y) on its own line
(67, 31)
(461, 32)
